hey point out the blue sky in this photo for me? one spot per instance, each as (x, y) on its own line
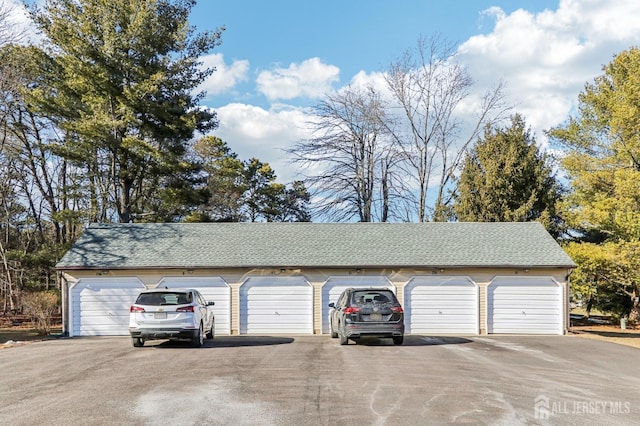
(353, 35)
(279, 57)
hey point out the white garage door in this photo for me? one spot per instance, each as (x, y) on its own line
(524, 305)
(213, 289)
(100, 306)
(276, 305)
(334, 286)
(441, 305)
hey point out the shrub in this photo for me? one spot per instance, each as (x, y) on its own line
(41, 306)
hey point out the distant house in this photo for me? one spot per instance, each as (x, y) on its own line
(268, 278)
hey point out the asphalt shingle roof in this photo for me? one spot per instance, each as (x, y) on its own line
(201, 245)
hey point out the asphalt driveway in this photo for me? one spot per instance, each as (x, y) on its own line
(312, 380)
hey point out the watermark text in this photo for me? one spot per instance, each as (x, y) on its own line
(544, 407)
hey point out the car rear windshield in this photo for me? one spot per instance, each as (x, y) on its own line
(373, 296)
(164, 298)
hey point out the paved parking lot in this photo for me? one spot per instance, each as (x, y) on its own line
(312, 380)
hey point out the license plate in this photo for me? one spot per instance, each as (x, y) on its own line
(160, 315)
(375, 317)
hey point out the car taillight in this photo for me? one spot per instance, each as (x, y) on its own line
(136, 309)
(351, 310)
(185, 309)
(397, 309)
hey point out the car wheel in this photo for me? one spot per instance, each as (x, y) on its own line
(334, 334)
(198, 338)
(137, 342)
(210, 333)
(343, 338)
(398, 340)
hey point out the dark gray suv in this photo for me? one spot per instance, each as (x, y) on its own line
(362, 312)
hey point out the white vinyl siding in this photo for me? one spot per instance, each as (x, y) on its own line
(276, 305)
(213, 289)
(100, 306)
(441, 305)
(524, 305)
(335, 285)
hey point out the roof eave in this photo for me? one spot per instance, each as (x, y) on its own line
(323, 266)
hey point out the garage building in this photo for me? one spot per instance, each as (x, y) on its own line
(278, 278)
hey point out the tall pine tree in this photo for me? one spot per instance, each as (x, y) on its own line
(118, 77)
(506, 178)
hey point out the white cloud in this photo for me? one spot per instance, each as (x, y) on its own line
(251, 131)
(18, 23)
(310, 78)
(225, 77)
(546, 58)
(375, 80)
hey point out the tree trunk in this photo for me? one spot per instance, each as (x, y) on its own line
(634, 315)
(385, 194)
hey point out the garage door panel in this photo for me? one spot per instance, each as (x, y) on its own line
(441, 305)
(528, 305)
(268, 329)
(283, 294)
(451, 317)
(526, 309)
(546, 316)
(419, 309)
(417, 314)
(435, 302)
(293, 288)
(520, 306)
(270, 319)
(285, 311)
(531, 303)
(530, 297)
(443, 290)
(127, 296)
(281, 297)
(275, 305)
(520, 330)
(528, 292)
(431, 313)
(95, 290)
(274, 319)
(114, 304)
(221, 296)
(434, 298)
(100, 306)
(505, 320)
(91, 321)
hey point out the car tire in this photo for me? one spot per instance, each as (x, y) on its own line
(398, 340)
(138, 342)
(198, 338)
(334, 334)
(344, 340)
(211, 332)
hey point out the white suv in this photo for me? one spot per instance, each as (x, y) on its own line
(171, 314)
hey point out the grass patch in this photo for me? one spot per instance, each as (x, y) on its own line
(594, 312)
(21, 328)
(24, 334)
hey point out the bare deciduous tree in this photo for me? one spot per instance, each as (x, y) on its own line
(429, 88)
(10, 210)
(350, 160)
